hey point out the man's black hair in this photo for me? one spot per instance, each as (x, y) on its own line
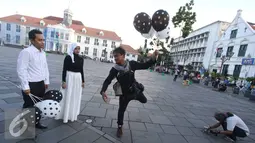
(32, 34)
(119, 50)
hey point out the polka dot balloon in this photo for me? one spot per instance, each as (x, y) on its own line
(49, 108)
(32, 116)
(142, 23)
(160, 20)
(55, 95)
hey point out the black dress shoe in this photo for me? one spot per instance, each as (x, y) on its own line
(40, 126)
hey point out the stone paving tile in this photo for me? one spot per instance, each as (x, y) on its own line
(126, 137)
(137, 126)
(167, 138)
(102, 122)
(102, 140)
(145, 137)
(113, 114)
(192, 139)
(8, 95)
(106, 106)
(151, 106)
(13, 100)
(138, 117)
(185, 131)
(93, 104)
(3, 87)
(170, 129)
(78, 125)
(86, 97)
(86, 135)
(178, 121)
(154, 128)
(55, 135)
(160, 120)
(92, 111)
(2, 101)
(197, 123)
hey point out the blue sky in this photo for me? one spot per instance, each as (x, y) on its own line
(117, 15)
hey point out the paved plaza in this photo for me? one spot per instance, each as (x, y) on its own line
(173, 114)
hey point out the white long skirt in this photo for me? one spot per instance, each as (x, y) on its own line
(71, 102)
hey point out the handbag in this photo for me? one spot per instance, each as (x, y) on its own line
(117, 89)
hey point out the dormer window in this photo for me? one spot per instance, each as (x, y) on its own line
(42, 23)
(101, 33)
(23, 19)
(84, 30)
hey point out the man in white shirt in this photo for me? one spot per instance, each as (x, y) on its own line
(233, 126)
(33, 70)
(176, 73)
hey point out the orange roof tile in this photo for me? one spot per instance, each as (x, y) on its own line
(77, 25)
(129, 49)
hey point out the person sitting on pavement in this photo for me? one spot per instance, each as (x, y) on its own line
(233, 126)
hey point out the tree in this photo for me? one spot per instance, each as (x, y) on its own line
(185, 18)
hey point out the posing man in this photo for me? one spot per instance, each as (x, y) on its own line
(33, 70)
(232, 125)
(124, 72)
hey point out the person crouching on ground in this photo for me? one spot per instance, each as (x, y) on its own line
(232, 125)
(124, 72)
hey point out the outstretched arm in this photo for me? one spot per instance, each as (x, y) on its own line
(141, 66)
(112, 74)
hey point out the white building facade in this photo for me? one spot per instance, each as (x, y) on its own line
(234, 52)
(59, 33)
(196, 49)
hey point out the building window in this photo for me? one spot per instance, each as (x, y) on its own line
(94, 52)
(219, 52)
(86, 50)
(17, 39)
(67, 36)
(57, 35)
(27, 29)
(96, 42)
(105, 43)
(225, 70)
(104, 53)
(17, 28)
(233, 34)
(111, 55)
(230, 51)
(133, 56)
(113, 45)
(66, 47)
(27, 41)
(242, 50)
(8, 27)
(128, 54)
(79, 39)
(52, 34)
(87, 40)
(61, 35)
(237, 71)
(8, 37)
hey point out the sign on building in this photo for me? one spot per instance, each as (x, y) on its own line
(248, 61)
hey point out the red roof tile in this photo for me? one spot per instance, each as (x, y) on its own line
(77, 25)
(252, 25)
(129, 49)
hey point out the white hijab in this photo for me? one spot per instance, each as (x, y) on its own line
(71, 50)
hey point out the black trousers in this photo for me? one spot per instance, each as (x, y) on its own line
(123, 103)
(175, 77)
(237, 132)
(37, 89)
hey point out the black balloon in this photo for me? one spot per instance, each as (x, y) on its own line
(55, 95)
(33, 116)
(160, 20)
(142, 23)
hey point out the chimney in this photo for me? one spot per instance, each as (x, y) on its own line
(239, 12)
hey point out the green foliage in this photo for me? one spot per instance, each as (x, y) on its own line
(250, 78)
(185, 16)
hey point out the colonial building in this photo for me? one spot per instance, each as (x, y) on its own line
(131, 54)
(59, 33)
(197, 48)
(234, 52)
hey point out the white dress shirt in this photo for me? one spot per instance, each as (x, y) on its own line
(32, 67)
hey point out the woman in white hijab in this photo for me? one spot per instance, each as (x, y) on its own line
(72, 83)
